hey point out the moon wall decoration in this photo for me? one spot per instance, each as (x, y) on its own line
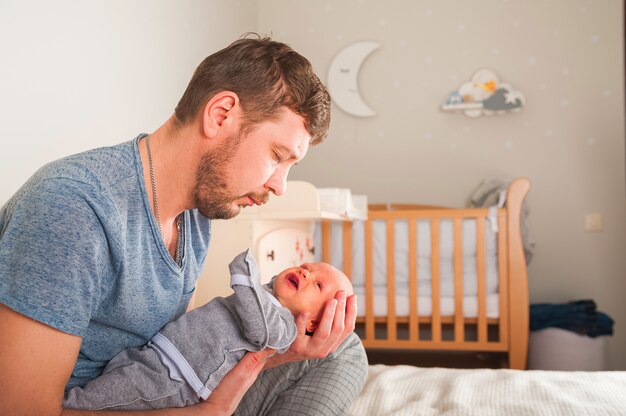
(343, 76)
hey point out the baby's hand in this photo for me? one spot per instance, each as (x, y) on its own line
(244, 263)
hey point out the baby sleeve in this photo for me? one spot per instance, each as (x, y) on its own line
(265, 322)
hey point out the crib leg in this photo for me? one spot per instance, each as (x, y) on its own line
(517, 357)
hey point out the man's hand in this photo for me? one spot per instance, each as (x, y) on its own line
(227, 395)
(337, 323)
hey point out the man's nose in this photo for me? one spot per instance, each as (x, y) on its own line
(277, 183)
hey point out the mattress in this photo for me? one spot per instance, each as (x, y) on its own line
(424, 305)
(407, 391)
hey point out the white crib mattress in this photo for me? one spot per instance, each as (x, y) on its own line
(424, 305)
(423, 261)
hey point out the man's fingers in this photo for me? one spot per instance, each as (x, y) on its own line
(325, 325)
(301, 321)
(340, 312)
(351, 312)
(345, 322)
(336, 324)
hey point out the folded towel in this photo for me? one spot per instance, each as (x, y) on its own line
(579, 316)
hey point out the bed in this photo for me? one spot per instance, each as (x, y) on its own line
(406, 390)
(433, 278)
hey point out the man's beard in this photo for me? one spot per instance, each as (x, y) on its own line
(211, 194)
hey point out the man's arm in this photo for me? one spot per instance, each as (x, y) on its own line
(192, 302)
(336, 325)
(37, 360)
(35, 363)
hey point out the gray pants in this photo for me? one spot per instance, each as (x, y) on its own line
(311, 388)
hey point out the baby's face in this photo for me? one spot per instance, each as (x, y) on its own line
(308, 287)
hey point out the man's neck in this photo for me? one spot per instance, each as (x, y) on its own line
(174, 160)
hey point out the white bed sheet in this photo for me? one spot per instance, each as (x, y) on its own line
(407, 390)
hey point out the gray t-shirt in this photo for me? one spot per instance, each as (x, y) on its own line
(80, 251)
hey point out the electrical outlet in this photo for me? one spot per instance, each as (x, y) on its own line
(594, 222)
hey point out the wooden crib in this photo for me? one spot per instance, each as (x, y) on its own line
(508, 332)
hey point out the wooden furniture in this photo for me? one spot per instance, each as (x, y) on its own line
(507, 333)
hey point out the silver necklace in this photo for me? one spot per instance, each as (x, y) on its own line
(156, 207)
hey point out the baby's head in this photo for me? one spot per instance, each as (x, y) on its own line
(308, 287)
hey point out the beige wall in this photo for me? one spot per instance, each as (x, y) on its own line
(566, 56)
(75, 75)
(80, 74)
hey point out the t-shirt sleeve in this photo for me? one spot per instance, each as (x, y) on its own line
(53, 251)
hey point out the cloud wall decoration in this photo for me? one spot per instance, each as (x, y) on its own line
(484, 94)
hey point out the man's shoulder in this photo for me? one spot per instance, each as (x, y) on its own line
(102, 175)
(94, 167)
(99, 179)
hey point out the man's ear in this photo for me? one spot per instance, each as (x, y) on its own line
(219, 113)
(311, 326)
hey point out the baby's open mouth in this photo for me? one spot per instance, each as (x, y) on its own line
(293, 279)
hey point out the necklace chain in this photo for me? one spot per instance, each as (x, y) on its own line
(156, 206)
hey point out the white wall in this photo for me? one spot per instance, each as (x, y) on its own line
(566, 56)
(80, 74)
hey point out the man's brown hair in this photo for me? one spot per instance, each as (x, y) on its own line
(266, 75)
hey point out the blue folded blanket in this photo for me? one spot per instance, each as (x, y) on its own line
(578, 316)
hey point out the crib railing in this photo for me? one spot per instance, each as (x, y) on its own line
(508, 332)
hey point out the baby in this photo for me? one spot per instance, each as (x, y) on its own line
(188, 358)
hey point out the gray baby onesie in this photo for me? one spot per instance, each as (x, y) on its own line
(188, 358)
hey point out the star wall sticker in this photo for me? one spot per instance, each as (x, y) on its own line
(484, 94)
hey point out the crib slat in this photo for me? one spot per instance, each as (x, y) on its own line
(459, 322)
(347, 249)
(326, 241)
(435, 276)
(391, 281)
(481, 281)
(369, 283)
(503, 280)
(413, 295)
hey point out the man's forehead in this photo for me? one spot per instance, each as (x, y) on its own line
(296, 151)
(297, 138)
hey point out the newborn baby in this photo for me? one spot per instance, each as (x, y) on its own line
(188, 358)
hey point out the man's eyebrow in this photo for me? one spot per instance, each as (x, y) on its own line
(284, 149)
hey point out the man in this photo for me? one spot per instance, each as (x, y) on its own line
(99, 250)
